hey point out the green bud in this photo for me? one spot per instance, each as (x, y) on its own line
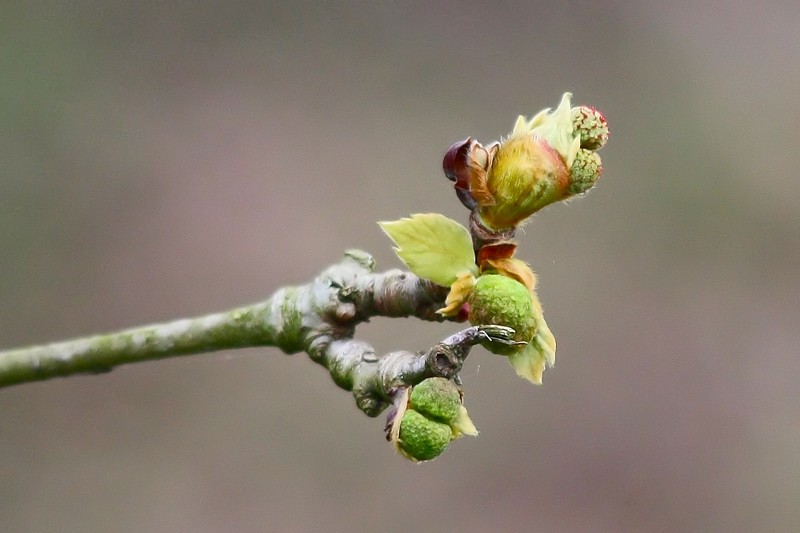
(503, 301)
(585, 171)
(422, 439)
(437, 399)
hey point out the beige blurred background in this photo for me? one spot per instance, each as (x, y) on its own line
(167, 159)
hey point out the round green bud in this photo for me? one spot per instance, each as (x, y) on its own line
(591, 125)
(422, 439)
(503, 301)
(585, 171)
(437, 399)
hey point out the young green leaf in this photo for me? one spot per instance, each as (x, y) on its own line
(463, 425)
(432, 246)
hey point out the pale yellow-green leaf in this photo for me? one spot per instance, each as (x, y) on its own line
(528, 364)
(463, 425)
(540, 353)
(432, 246)
(544, 339)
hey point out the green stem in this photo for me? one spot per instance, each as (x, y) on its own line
(100, 353)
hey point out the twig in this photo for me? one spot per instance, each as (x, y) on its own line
(318, 318)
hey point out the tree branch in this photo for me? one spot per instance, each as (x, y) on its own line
(318, 318)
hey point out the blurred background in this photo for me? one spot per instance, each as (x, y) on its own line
(160, 160)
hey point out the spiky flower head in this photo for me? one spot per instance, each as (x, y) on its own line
(591, 126)
(585, 171)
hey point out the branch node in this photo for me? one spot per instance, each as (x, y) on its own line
(445, 361)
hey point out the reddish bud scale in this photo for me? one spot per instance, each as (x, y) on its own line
(456, 168)
(500, 250)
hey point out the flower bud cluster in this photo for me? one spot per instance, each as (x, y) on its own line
(543, 160)
(433, 417)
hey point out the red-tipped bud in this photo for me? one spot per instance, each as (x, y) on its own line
(591, 125)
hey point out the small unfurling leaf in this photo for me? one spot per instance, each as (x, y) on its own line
(432, 246)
